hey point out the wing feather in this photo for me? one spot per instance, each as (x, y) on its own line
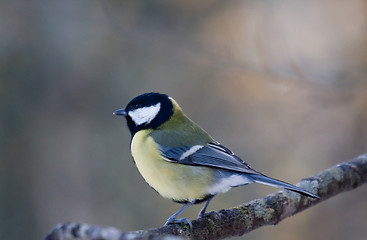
(210, 155)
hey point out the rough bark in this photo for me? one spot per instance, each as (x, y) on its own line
(236, 221)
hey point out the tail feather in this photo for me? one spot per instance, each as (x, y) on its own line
(280, 184)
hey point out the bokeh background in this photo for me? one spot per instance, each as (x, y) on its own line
(281, 83)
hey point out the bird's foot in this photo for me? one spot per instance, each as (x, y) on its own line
(201, 214)
(181, 220)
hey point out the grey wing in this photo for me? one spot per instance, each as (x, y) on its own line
(210, 155)
(218, 156)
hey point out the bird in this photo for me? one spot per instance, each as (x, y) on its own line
(180, 160)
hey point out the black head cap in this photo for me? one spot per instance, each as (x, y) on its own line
(149, 110)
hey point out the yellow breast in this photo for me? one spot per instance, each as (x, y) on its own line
(171, 180)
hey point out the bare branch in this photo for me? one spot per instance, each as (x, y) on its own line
(269, 210)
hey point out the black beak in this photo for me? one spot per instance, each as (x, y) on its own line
(120, 112)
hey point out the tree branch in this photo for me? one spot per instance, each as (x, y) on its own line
(269, 210)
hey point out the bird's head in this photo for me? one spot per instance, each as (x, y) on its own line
(149, 110)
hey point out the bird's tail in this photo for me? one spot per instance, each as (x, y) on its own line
(280, 184)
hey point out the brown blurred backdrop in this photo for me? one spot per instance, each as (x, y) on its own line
(281, 83)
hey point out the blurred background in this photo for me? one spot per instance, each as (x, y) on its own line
(281, 83)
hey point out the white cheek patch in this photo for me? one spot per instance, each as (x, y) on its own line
(145, 115)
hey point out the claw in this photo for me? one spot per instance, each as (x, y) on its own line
(179, 221)
(201, 214)
(172, 219)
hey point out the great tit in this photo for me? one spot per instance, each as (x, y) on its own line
(180, 160)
